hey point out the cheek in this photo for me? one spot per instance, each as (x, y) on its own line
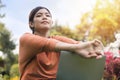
(36, 23)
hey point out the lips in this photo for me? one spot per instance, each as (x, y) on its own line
(45, 22)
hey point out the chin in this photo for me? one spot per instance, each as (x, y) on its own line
(46, 27)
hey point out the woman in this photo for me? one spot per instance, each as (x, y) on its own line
(39, 54)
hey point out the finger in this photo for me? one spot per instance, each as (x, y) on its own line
(92, 54)
(87, 54)
(98, 43)
(99, 52)
(99, 57)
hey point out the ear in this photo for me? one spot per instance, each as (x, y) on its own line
(31, 24)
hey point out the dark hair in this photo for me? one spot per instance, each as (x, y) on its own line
(33, 12)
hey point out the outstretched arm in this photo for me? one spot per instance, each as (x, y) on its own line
(86, 49)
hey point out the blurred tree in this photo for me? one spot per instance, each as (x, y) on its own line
(116, 6)
(7, 45)
(102, 22)
(64, 31)
(1, 6)
(14, 71)
(85, 26)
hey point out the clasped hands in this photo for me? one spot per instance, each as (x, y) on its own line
(90, 49)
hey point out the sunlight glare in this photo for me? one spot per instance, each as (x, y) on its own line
(73, 9)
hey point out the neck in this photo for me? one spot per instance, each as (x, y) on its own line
(43, 34)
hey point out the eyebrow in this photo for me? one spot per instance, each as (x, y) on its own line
(43, 13)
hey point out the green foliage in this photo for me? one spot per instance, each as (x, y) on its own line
(7, 45)
(1, 69)
(64, 31)
(84, 28)
(1, 59)
(14, 70)
(1, 77)
(5, 77)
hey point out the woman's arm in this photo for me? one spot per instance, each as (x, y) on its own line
(85, 49)
(30, 45)
(65, 39)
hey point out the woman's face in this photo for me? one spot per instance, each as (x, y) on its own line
(42, 20)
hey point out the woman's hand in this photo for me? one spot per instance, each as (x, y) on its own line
(90, 49)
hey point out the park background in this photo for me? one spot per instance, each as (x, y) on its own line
(77, 19)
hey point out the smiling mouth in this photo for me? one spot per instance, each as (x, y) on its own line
(44, 22)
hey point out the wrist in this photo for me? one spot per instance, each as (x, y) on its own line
(66, 46)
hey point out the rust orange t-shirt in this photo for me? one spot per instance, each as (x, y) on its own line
(37, 58)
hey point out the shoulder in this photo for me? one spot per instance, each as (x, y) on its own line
(25, 36)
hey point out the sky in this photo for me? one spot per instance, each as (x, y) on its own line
(66, 12)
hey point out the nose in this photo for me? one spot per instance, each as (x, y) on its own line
(44, 17)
